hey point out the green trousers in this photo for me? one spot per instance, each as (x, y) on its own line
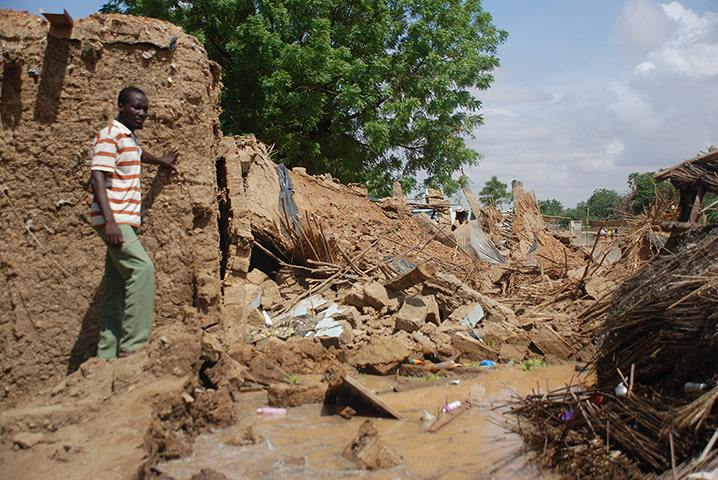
(127, 296)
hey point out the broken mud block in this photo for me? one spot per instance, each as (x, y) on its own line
(345, 338)
(256, 277)
(348, 413)
(168, 443)
(211, 347)
(423, 344)
(209, 474)
(451, 294)
(415, 276)
(212, 408)
(472, 349)
(412, 314)
(290, 395)
(299, 354)
(226, 374)
(376, 296)
(432, 310)
(450, 327)
(460, 314)
(351, 315)
(255, 320)
(266, 370)
(444, 345)
(271, 296)
(549, 342)
(394, 207)
(27, 440)
(369, 451)
(243, 435)
(379, 350)
(515, 353)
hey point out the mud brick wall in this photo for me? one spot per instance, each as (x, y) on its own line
(56, 93)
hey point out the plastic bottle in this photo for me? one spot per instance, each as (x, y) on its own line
(621, 390)
(271, 411)
(452, 406)
(450, 365)
(692, 387)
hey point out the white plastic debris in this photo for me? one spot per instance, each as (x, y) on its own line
(267, 319)
(474, 316)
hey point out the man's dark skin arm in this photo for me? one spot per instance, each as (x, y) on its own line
(168, 159)
(113, 235)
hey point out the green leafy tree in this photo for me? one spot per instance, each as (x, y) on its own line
(709, 203)
(643, 191)
(551, 207)
(604, 204)
(362, 89)
(494, 192)
(579, 212)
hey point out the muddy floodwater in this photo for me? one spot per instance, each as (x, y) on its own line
(305, 444)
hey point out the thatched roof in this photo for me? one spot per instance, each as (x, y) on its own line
(656, 332)
(700, 170)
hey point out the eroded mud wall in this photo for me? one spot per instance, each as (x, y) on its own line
(56, 94)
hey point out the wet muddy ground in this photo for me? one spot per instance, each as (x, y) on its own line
(305, 444)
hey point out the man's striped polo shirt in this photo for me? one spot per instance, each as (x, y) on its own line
(116, 151)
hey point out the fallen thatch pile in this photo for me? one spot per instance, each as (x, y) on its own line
(656, 332)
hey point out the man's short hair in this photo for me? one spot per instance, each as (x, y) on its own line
(124, 95)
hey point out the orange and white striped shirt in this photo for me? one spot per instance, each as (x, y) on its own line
(116, 151)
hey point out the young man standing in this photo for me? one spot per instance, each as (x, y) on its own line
(129, 286)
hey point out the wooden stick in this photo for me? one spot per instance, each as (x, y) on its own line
(441, 422)
(630, 385)
(709, 446)
(673, 455)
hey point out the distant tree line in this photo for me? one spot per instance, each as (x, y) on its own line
(603, 204)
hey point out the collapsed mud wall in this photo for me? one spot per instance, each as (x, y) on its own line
(56, 94)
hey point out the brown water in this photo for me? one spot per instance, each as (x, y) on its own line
(304, 444)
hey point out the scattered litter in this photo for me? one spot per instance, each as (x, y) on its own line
(692, 387)
(451, 406)
(271, 411)
(474, 316)
(450, 365)
(487, 363)
(256, 302)
(328, 327)
(567, 416)
(455, 381)
(621, 390)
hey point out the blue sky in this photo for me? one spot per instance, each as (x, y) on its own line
(589, 91)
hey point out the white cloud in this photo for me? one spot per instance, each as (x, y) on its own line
(614, 148)
(644, 68)
(629, 107)
(691, 50)
(642, 26)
